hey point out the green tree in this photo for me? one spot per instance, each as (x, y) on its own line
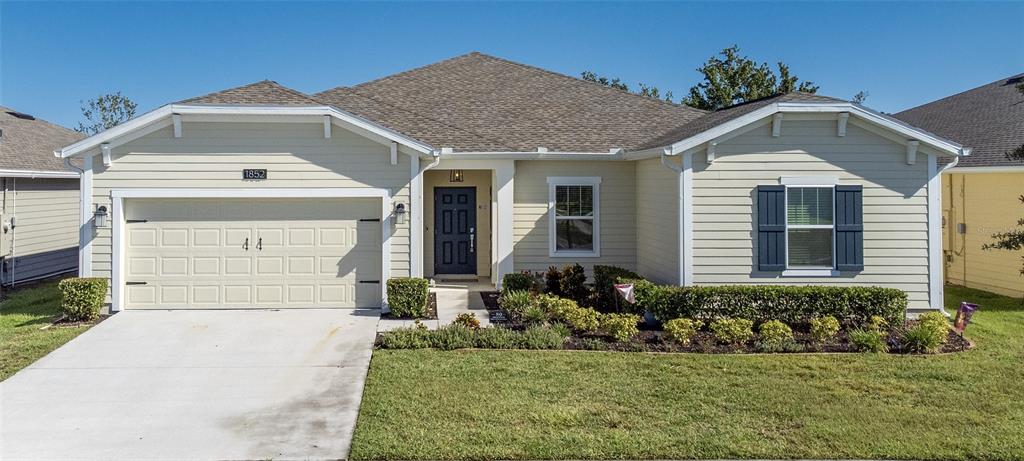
(1012, 240)
(643, 90)
(105, 112)
(860, 97)
(730, 78)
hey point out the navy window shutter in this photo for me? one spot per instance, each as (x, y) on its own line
(771, 228)
(850, 228)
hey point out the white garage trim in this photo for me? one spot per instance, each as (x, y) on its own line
(117, 222)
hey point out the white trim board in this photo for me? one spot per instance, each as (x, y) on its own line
(118, 196)
(32, 174)
(163, 117)
(935, 263)
(984, 169)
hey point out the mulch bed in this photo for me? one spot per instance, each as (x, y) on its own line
(431, 310)
(63, 322)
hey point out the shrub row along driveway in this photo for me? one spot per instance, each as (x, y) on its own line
(194, 385)
(426, 404)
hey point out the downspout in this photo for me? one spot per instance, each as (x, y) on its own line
(680, 209)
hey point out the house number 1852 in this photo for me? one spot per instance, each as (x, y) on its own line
(254, 174)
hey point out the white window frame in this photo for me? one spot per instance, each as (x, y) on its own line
(810, 271)
(553, 183)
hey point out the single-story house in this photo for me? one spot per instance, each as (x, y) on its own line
(263, 196)
(40, 210)
(981, 194)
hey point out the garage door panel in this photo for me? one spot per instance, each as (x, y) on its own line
(242, 254)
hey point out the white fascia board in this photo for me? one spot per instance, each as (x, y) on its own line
(946, 147)
(167, 111)
(588, 156)
(37, 174)
(984, 169)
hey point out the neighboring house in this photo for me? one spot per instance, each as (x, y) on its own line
(981, 194)
(39, 219)
(264, 196)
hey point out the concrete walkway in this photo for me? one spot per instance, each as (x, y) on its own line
(197, 385)
(453, 298)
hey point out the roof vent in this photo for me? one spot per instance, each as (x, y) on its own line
(21, 115)
(1015, 80)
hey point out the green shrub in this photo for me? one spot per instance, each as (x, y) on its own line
(574, 284)
(515, 303)
(468, 320)
(517, 281)
(407, 297)
(593, 344)
(682, 330)
(789, 304)
(406, 338)
(877, 323)
(868, 340)
(82, 298)
(824, 329)
(535, 315)
(582, 319)
(774, 334)
(622, 327)
(553, 281)
(496, 338)
(928, 335)
(553, 305)
(451, 337)
(732, 331)
(541, 338)
(605, 278)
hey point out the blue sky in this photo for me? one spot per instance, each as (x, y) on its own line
(52, 55)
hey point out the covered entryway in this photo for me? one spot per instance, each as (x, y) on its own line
(252, 252)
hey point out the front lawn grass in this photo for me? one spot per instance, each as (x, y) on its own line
(428, 404)
(22, 313)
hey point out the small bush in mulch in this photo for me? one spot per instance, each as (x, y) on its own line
(430, 313)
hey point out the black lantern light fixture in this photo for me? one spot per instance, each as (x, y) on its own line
(456, 176)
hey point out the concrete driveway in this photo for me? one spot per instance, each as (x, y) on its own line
(245, 384)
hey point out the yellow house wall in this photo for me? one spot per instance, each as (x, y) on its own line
(986, 203)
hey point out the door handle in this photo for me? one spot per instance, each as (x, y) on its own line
(245, 246)
(472, 240)
(259, 244)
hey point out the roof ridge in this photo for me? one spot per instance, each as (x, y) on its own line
(352, 91)
(414, 69)
(276, 85)
(961, 93)
(580, 80)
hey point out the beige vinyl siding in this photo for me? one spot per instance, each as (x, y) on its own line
(211, 155)
(986, 203)
(657, 217)
(45, 239)
(531, 220)
(895, 203)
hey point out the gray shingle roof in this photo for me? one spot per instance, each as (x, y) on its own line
(476, 102)
(989, 119)
(28, 144)
(721, 116)
(262, 92)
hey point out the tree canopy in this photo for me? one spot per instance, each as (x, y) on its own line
(105, 112)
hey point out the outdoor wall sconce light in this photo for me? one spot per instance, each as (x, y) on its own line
(99, 217)
(456, 176)
(400, 213)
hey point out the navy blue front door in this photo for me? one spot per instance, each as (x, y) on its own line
(455, 230)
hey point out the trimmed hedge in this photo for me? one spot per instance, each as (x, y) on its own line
(82, 298)
(407, 297)
(761, 303)
(517, 281)
(605, 278)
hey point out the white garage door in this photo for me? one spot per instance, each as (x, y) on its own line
(245, 253)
